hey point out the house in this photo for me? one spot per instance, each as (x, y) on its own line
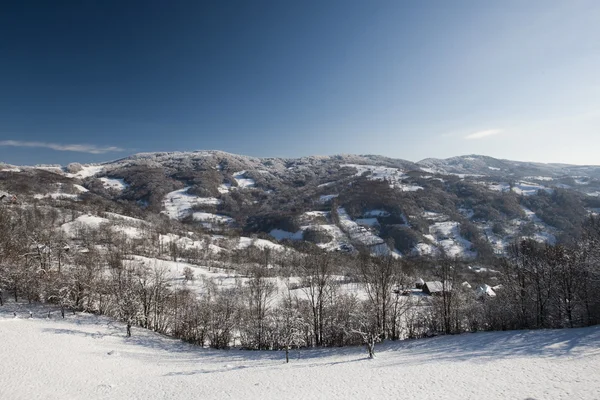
(436, 288)
(419, 283)
(485, 291)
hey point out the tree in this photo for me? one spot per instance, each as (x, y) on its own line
(290, 324)
(316, 283)
(366, 326)
(446, 273)
(258, 295)
(380, 275)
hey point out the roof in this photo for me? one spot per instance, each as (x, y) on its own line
(485, 290)
(437, 286)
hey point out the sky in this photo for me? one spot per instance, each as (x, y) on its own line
(90, 81)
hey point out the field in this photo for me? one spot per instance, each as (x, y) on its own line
(88, 357)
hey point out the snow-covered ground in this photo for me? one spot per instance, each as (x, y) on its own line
(242, 180)
(378, 173)
(178, 204)
(118, 223)
(86, 171)
(114, 184)
(447, 236)
(528, 188)
(210, 220)
(543, 232)
(280, 234)
(89, 357)
(521, 188)
(357, 232)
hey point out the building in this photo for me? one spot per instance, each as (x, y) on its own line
(436, 288)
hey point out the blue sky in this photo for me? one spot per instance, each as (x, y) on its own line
(92, 81)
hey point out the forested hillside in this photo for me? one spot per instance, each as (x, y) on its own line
(222, 250)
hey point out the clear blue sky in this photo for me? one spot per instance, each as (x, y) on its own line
(91, 81)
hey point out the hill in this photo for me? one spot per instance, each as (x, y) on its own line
(469, 207)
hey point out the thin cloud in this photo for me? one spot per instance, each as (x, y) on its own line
(80, 148)
(483, 134)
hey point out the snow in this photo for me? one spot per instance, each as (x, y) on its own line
(7, 168)
(375, 172)
(88, 357)
(408, 188)
(188, 243)
(262, 244)
(485, 290)
(80, 188)
(483, 269)
(175, 272)
(498, 187)
(359, 234)
(528, 189)
(367, 221)
(424, 249)
(434, 216)
(280, 234)
(86, 220)
(327, 197)
(59, 194)
(124, 217)
(94, 222)
(325, 184)
(242, 181)
(224, 188)
(56, 195)
(209, 220)
(339, 238)
(543, 232)
(114, 184)
(379, 173)
(87, 171)
(447, 235)
(178, 204)
(322, 214)
(377, 213)
(539, 178)
(522, 188)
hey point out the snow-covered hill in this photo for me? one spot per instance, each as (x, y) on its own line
(482, 197)
(88, 357)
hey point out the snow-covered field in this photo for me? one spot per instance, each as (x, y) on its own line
(114, 184)
(89, 357)
(378, 173)
(447, 235)
(179, 203)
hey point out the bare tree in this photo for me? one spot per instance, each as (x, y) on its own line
(316, 283)
(380, 275)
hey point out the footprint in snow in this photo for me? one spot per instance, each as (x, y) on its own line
(104, 387)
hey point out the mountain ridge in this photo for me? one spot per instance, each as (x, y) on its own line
(468, 206)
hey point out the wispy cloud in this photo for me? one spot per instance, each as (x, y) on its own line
(483, 134)
(80, 148)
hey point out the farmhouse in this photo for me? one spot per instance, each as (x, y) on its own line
(436, 287)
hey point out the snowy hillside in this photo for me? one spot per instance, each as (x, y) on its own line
(88, 357)
(481, 198)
